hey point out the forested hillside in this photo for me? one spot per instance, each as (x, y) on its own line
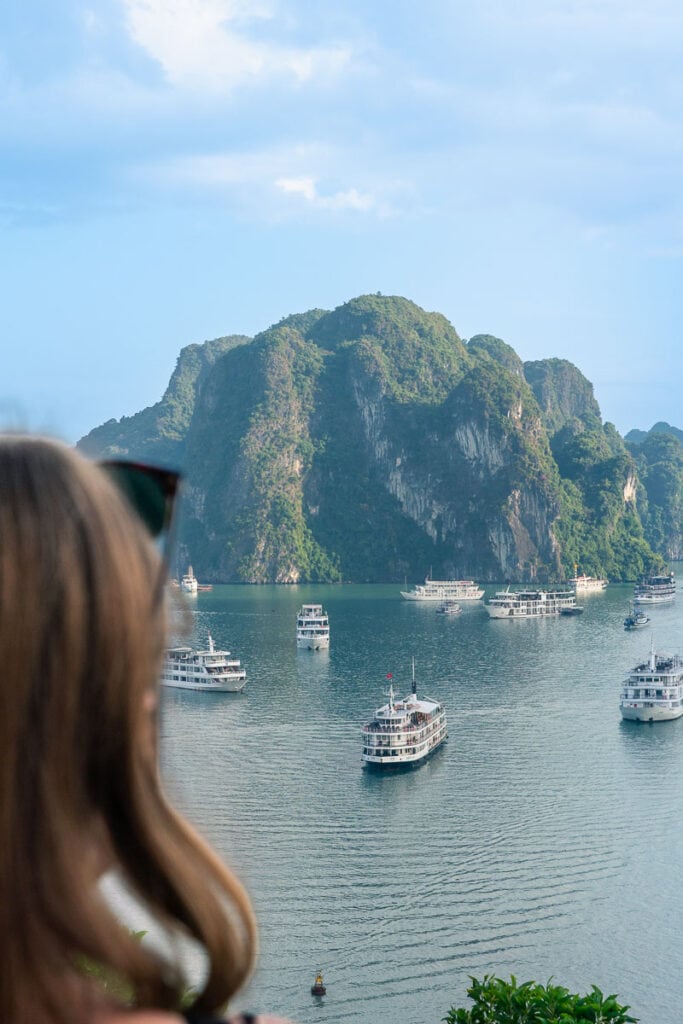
(373, 443)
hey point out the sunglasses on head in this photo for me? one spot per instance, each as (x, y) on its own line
(152, 491)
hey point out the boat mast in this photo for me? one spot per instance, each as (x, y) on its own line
(414, 683)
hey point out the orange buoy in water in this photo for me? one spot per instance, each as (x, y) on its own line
(318, 989)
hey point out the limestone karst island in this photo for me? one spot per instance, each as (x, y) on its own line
(372, 443)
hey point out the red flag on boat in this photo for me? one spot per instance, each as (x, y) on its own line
(389, 675)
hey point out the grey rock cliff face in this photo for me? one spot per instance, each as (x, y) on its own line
(446, 487)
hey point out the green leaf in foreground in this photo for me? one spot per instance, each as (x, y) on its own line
(496, 1001)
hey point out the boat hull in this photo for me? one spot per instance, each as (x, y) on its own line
(231, 686)
(320, 644)
(649, 714)
(517, 613)
(386, 765)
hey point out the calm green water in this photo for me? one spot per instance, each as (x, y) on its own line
(544, 839)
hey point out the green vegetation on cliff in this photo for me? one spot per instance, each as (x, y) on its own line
(638, 436)
(159, 432)
(498, 350)
(415, 356)
(564, 396)
(659, 458)
(247, 461)
(599, 529)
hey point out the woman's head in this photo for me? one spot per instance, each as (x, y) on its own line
(81, 639)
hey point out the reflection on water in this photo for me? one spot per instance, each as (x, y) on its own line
(313, 667)
(543, 839)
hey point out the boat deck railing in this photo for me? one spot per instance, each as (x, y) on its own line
(411, 735)
(405, 727)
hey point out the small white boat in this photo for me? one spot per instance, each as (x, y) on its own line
(213, 670)
(653, 690)
(636, 618)
(188, 583)
(312, 628)
(444, 590)
(449, 608)
(404, 733)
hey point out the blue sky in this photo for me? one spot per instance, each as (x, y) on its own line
(176, 170)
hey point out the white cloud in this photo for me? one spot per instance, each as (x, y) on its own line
(279, 182)
(307, 188)
(206, 45)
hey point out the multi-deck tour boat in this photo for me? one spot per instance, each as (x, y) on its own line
(312, 627)
(588, 584)
(525, 604)
(404, 733)
(636, 618)
(444, 590)
(188, 583)
(203, 670)
(655, 589)
(653, 691)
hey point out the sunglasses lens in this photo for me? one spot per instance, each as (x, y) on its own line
(151, 492)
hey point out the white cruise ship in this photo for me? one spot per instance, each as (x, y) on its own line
(655, 589)
(525, 604)
(312, 627)
(188, 582)
(444, 590)
(203, 670)
(653, 691)
(588, 584)
(404, 733)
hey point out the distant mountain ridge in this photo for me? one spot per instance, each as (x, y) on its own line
(638, 436)
(160, 431)
(371, 442)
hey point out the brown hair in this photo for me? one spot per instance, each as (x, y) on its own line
(82, 631)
